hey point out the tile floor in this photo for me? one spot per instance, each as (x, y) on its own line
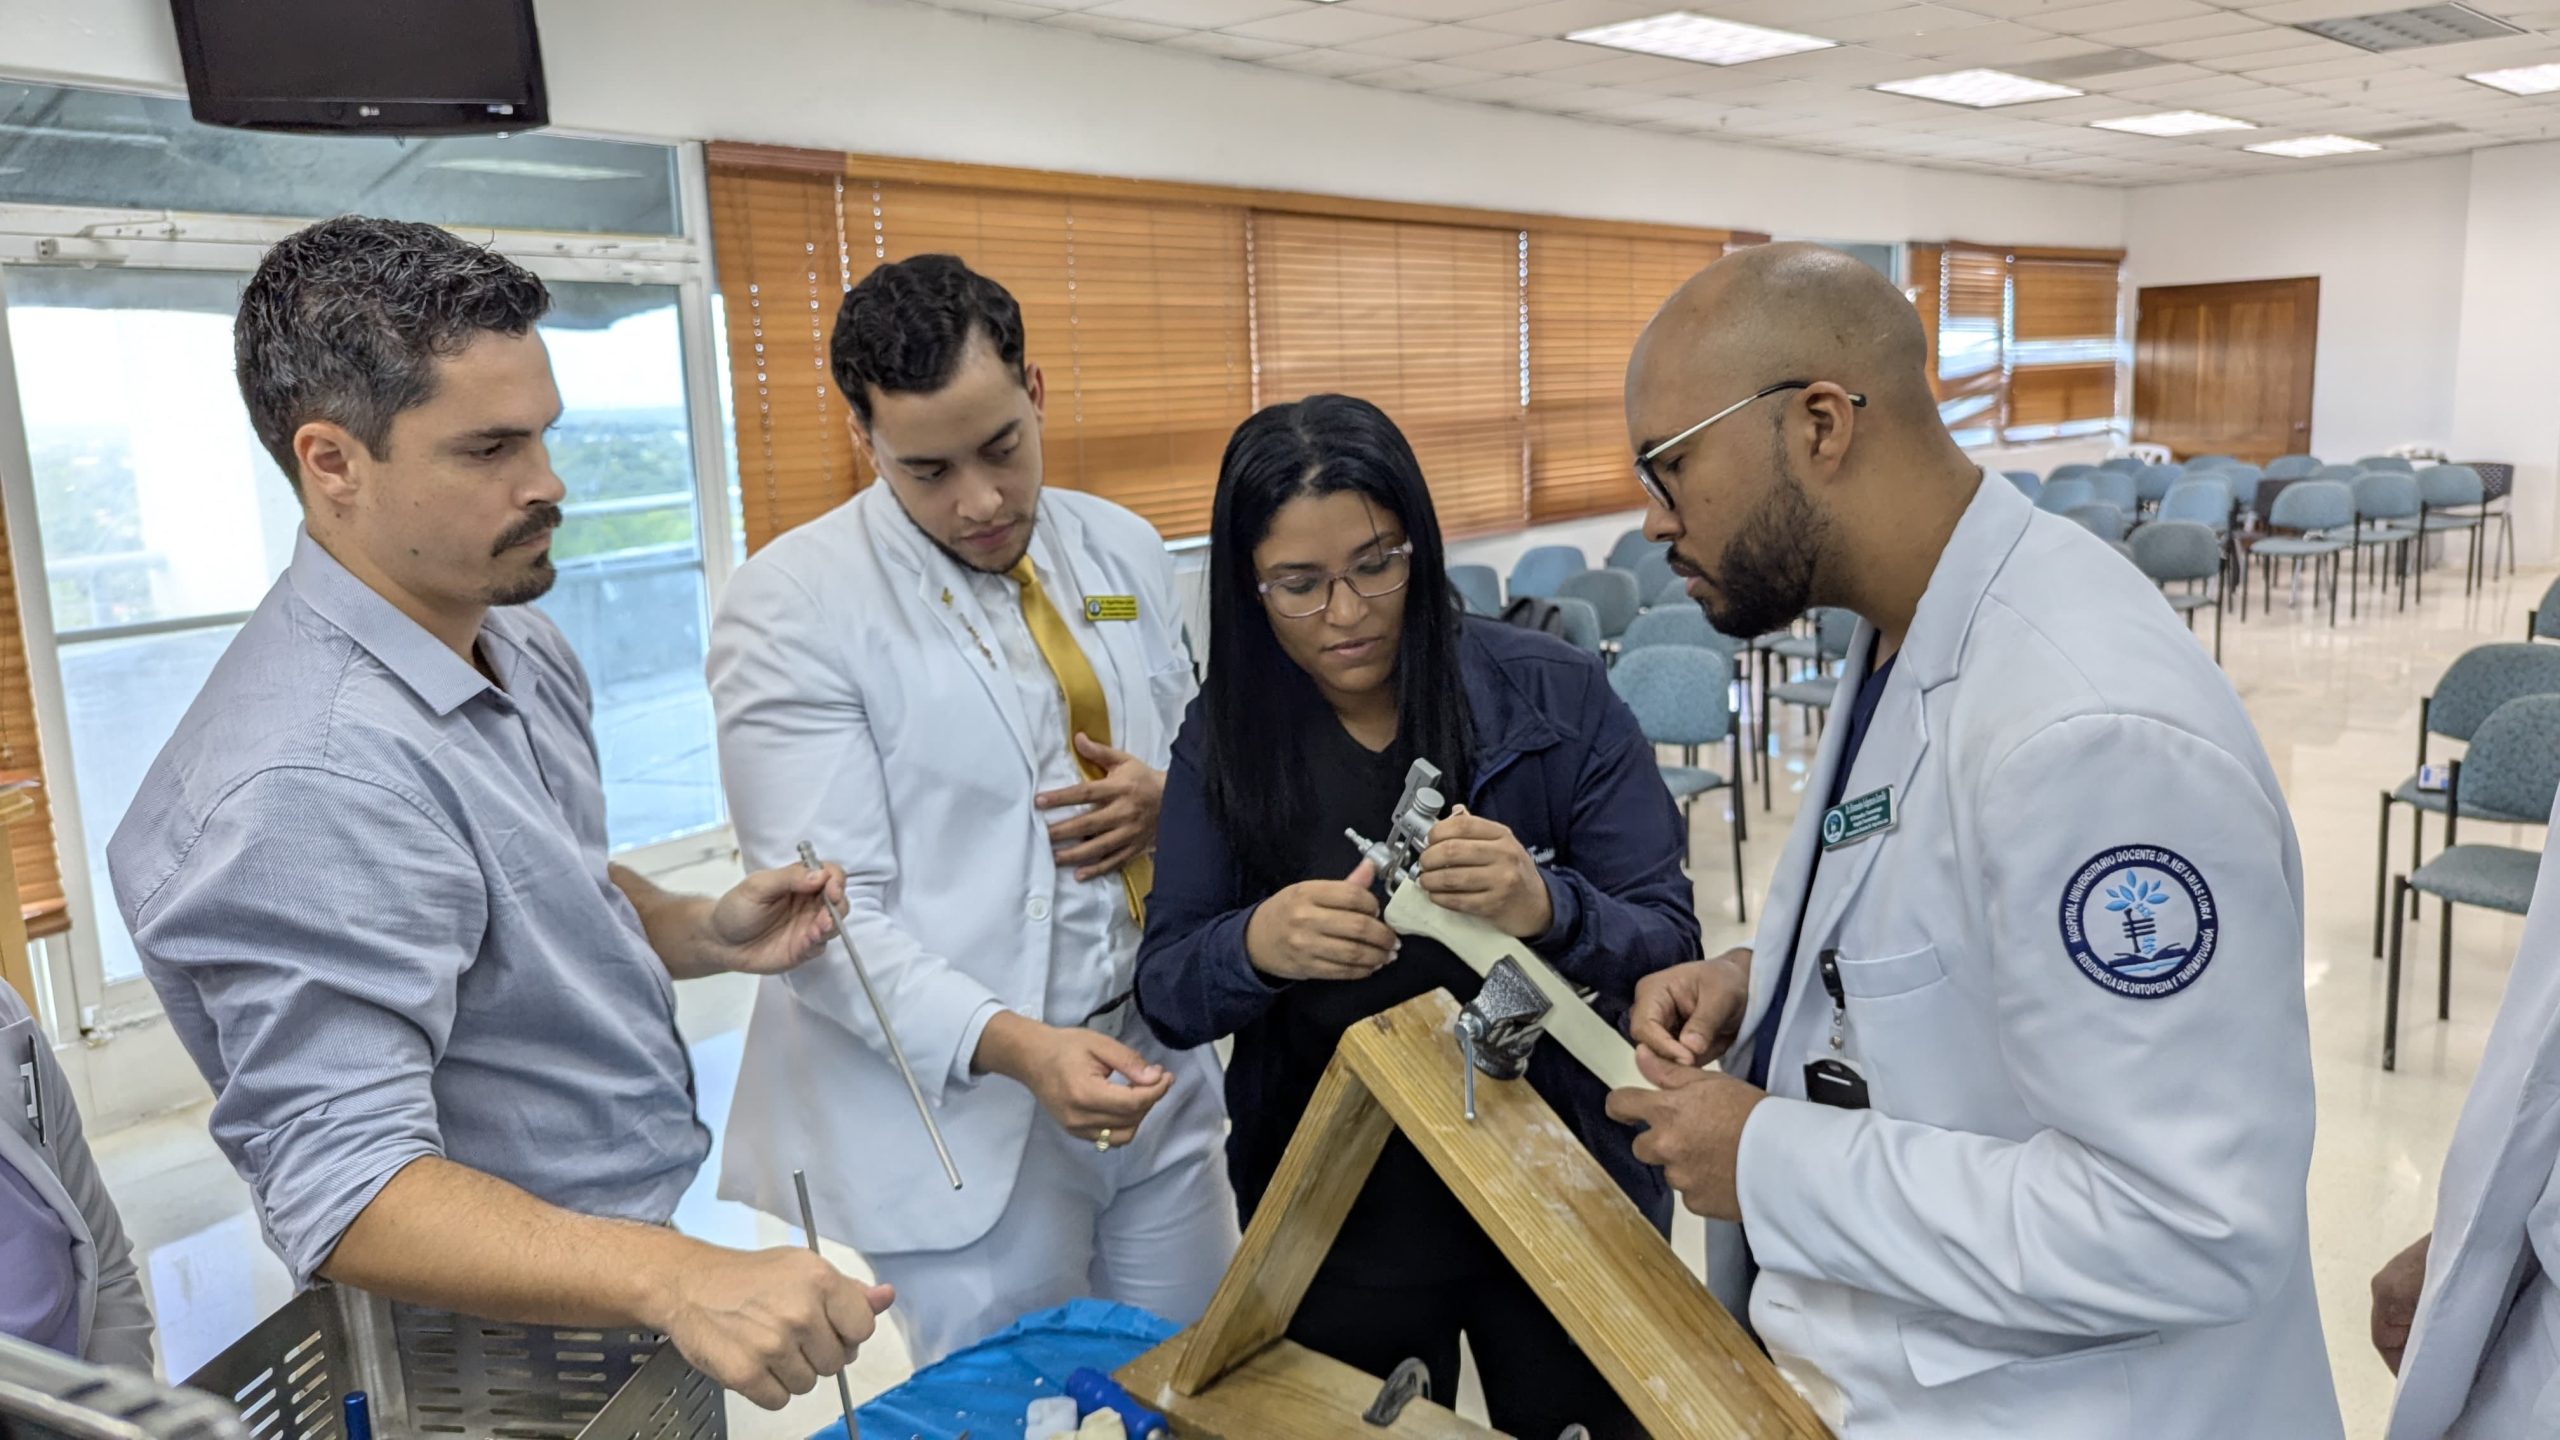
(2337, 708)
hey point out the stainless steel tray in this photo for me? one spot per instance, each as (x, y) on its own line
(429, 1374)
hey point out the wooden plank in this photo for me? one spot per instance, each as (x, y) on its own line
(1572, 1024)
(785, 159)
(1285, 1392)
(1638, 1312)
(15, 970)
(1328, 1160)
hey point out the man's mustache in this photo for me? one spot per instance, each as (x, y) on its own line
(544, 518)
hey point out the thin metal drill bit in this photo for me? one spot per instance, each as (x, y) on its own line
(924, 1112)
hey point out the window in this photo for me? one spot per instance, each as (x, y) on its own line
(89, 148)
(2024, 344)
(1164, 314)
(1422, 320)
(164, 523)
(1590, 297)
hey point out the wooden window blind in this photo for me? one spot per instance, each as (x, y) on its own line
(1590, 297)
(1134, 310)
(1973, 313)
(785, 261)
(2023, 342)
(31, 843)
(2064, 349)
(1421, 319)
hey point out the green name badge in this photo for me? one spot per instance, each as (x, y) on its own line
(1110, 607)
(1854, 820)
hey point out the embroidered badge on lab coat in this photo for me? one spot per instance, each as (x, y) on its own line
(2140, 921)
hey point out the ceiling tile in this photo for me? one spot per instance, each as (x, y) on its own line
(2230, 47)
(1195, 14)
(1847, 65)
(1324, 25)
(1562, 17)
(1423, 76)
(1436, 11)
(1231, 47)
(2294, 12)
(1992, 42)
(2118, 15)
(1810, 17)
(1332, 64)
(1621, 69)
(1432, 42)
(1900, 23)
(1511, 90)
(1564, 99)
(1545, 57)
(2222, 25)
(1115, 29)
(1002, 9)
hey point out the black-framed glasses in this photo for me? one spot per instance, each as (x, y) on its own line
(1654, 489)
(1303, 593)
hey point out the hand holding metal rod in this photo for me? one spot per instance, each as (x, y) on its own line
(809, 1228)
(880, 1012)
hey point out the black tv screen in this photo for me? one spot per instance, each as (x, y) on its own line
(410, 67)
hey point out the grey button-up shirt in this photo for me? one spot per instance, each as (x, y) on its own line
(370, 888)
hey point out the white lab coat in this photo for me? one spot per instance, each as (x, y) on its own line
(115, 1318)
(2482, 1354)
(857, 710)
(2071, 1212)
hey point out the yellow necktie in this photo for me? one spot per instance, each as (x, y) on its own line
(1088, 709)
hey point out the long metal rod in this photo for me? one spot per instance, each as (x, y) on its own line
(809, 1228)
(924, 1112)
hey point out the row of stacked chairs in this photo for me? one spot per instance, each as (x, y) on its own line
(2297, 508)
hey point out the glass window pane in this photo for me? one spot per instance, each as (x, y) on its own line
(154, 497)
(158, 507)
(125, 698)
(89, 147)
(630, 593)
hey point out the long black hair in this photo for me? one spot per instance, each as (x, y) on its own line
(1258, 704)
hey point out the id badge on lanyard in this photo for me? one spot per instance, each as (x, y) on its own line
(1831, 1080)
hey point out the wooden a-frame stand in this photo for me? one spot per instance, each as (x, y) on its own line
(1664, 1344)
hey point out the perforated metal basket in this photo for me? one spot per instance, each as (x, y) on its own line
(428, 1373)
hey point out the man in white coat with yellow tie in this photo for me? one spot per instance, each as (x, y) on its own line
(2016, 1105)
(2469, 1317)
(965, 690)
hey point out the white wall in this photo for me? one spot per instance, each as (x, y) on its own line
(2387, 243)
(888, 77)
(2506, 401)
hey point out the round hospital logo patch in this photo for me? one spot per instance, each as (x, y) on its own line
(2140, 921)
(1835, 825)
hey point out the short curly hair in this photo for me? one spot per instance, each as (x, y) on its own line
(903, 330)
(344, 321)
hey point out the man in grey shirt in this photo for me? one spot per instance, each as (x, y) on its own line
(368, 874)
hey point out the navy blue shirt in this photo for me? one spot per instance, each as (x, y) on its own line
(1861, 713)
(1560, 761)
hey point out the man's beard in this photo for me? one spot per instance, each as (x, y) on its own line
(542, 519)
(1764, 579)
(528, 587)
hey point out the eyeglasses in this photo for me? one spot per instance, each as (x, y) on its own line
(1654, 489)
(1305, 593)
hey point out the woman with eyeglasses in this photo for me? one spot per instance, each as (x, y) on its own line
(1338, 656)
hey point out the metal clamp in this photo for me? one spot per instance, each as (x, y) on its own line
(1410, 1382)
(1498, 1028)
(1399, 856)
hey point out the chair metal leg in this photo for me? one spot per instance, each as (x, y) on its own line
(2391, 985)
(2444, 961)
(2333, 590)
(1741, 905)
(2217, 625)
(2381, 874)
(2417, 851)
(1741, 802)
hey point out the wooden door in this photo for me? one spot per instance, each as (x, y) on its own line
(2226, 369)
